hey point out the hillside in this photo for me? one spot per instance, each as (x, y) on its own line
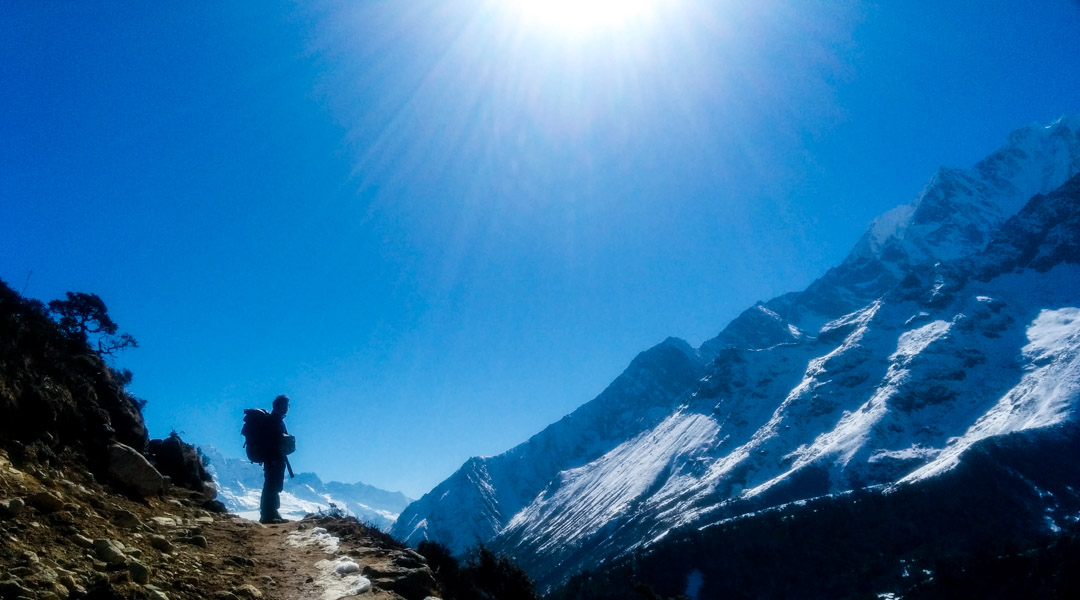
(91, 508)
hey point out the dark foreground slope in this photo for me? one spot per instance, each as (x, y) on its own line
(1001, 525)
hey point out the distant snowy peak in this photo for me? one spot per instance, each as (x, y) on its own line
(959, 208)
(955, 215)
(239, 483)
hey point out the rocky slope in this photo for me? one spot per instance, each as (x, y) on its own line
(66, 535)
(955, 319)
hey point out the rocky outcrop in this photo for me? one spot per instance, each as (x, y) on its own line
(133, 472)
(182, 464)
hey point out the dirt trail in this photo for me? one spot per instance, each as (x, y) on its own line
(63, 534)
(289, 571)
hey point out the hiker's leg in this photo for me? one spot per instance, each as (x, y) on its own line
(273, 483)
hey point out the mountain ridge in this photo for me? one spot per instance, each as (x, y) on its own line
(239, 485)
(842, 385)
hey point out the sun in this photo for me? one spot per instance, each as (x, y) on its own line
(584, 16)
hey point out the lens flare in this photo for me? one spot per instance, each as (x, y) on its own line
(583, 16)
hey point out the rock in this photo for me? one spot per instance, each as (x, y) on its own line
(133, 472)
(9, 509)
(20, 571)
(159, 543)
(69, 582)
(411, 583)
(46, 575)
(109, 552)
(165, 521)
(82, 541)
(181, 462)
(241, 561)
(13, 588)
(140, 573)
(247, 592)
(195, 540)
(155, 593)
(126, 518)
(223, 595)
(46, 502)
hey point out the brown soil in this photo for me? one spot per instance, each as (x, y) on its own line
(190, 553)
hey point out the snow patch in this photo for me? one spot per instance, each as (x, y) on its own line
(317, 537)
(340, 578)
(1045, 396)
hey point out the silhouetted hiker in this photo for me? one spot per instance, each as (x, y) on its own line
(269, 443)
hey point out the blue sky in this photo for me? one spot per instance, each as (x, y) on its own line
(441, 226)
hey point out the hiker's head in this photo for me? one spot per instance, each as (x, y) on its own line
(281, 405)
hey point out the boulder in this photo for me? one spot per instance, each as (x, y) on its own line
(108, 552)
(132, 471)
(247, 592)
(161, 544)
(9, 509)
(46, 502)
(140, 573)
(407, 582)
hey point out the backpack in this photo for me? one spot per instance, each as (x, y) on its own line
(258, 432)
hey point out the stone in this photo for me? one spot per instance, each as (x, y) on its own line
(108, 552)
(223, 595)
(195, 540)
(13, 588)
(82, 541)
(126, 518)
(159, 543)
(133, 472)
(247, 592)
(240, 561)
(9, 509)
(140, 573)
(155, 593)
(46, 502)
(165, 521)
(411, 583)
(69, 582)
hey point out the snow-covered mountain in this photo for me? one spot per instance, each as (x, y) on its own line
(954, 319)
(239, 485)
